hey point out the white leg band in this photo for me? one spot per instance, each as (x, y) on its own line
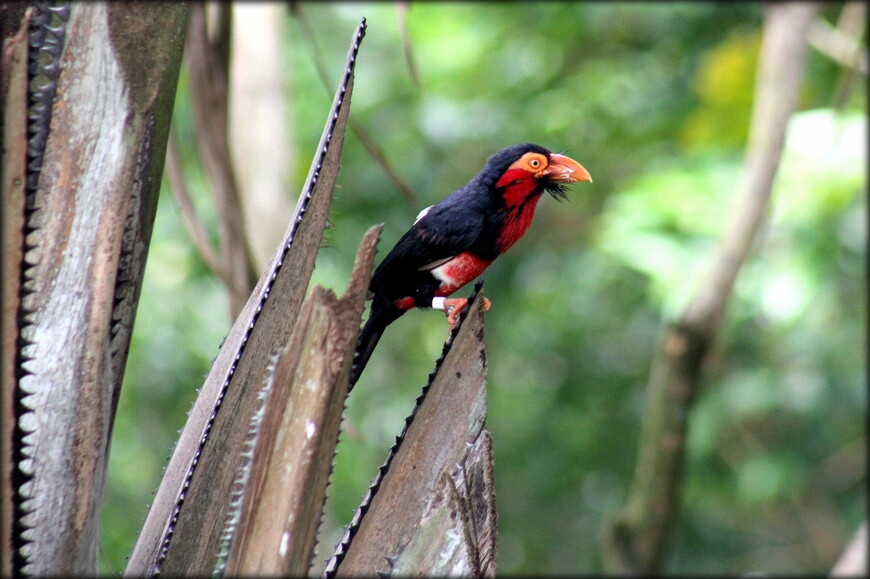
(438, 304)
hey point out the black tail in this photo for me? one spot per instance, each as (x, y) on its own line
(382, 315)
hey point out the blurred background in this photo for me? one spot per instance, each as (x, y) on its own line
(654, 99)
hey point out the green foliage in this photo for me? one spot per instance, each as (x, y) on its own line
(725, 85)
(654, 100)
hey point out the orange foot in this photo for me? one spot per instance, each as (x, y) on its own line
(454, 307)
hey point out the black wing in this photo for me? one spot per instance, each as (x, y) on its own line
(445, 231)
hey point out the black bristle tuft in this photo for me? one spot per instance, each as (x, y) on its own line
(557, 191)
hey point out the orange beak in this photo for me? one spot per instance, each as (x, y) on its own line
(564, 169)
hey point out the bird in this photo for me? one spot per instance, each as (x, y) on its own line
(454, 241)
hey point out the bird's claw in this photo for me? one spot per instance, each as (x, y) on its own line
(455, 306)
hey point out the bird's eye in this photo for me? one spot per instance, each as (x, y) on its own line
(534, 162)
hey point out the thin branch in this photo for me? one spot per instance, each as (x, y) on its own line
(208, 62)
(192, 223)
(853, 23)
(634, 541)
(402, 18)
(367, 142)
(781, 69)
(840, 46)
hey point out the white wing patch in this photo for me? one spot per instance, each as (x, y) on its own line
(435, 264)
(423, 213)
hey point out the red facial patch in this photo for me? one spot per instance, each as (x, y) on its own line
(458, 271)
(518, 186)
(521, 195)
